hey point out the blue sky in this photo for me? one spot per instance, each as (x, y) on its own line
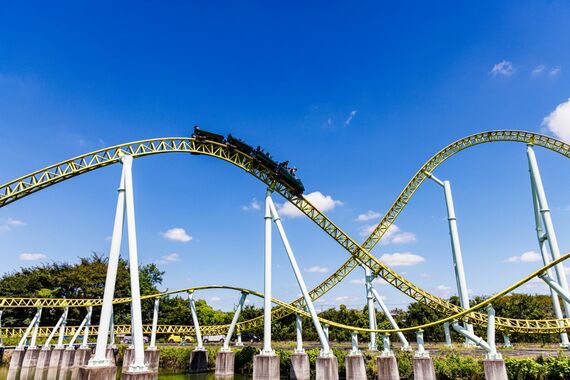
(357, 96)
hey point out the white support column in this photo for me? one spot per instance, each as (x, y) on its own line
(154, 323)
(62, 328)
(368, 277)
(195, 321)
(386, 350)
(78, 331)
(36, 329)
(1, 335)
(493, 354)
(471, 336)
(239, 343)
(386, 311)
(267, 350)
(31, 326)
(100, 357)
(299, 330)
(421, 352)
(60, 322)
(112, 331)
(226, 346)
(447, 334)
(556, 287)
(138, 363)
(455, 248)
(507, 341)
(326, 331)
(85, 341)
(354, 340)
(325, 351)
(547, 220)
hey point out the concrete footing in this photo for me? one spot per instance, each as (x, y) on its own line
(66, 364)
(423, 368)
(17, 358)
(152, 358)
(266, 367)
(355, 368)
(29, 363)
(111, 354)
(128, 358)
(81, 358)
(98, 373)
(387, 368)
(300, 366)
(56, 357)
(327, 368)
(495, 369)
(198, 361)
(225, 363)
(42, 365)
(139, 375)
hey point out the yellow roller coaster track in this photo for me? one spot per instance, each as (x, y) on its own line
(560, 324)
(360, 255)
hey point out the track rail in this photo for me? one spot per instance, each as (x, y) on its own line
(31, 183)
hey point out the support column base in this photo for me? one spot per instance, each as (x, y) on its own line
(355, 368)
(423, 368)
(17, 358)
(127, 358)
(29, 363)
(495, 369)
(139, 375)
(198, 361)
(98, 373)
(266, 367)
(152, 358)
(43, 364)
(327, 368)
(225, 363)
(111, 355)
(300, 366)
(66, 362)
(387, 368)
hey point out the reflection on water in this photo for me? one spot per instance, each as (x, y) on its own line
(163, 375)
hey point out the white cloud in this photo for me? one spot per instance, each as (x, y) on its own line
(392, 236)
(318, 199)
(253, 205)
(349, 118)
(177, 234)
(403, 259)
(525, 257)
(317, 269)
(444, 288)
(555, 71)
(32, 256)
(10, 223)
(504, 68)
(215, 299)
(171, 258)
(367, 216)
(538, 70)
(558, 122)
(361, 281)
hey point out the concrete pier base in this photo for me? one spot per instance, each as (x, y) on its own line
(17, 358)
(225, 363)
(127, 358)
(327, 368)
(98, 373)
(56, 357)
(29, 363)
(81, 358)
(355, 368)
(66, 363)
(300, 366)
(139, 375)
(152, 357)
(198, 361)
(111, 354)
(266, 367)
(423, 368)
(495, 369)
(43, 364)
(387, 368)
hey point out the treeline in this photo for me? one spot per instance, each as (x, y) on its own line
(86, 279)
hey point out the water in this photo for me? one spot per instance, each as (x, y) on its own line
(163, 375)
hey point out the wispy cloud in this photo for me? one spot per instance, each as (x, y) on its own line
(11, 223)
(215, 299)
(525, 257)
(555, 71)
(403, 259)
(253, 205)
(558, 122)
(367, 216)
(317, 269)
(361, 281)
(171, 258)
(504, 68)
(32, 256)
(321, 201)
(176, 234)
(351, 116)
(543, 69)
(393, 236)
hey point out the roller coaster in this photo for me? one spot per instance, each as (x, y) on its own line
(282, 180)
